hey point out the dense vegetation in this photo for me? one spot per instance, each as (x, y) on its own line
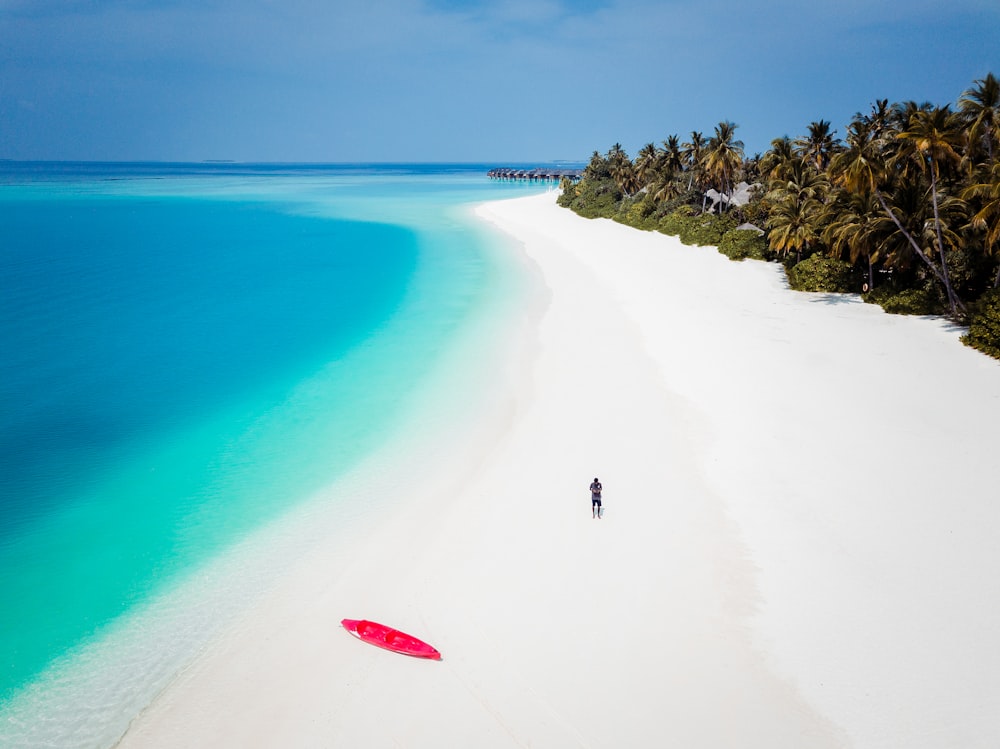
(905, 209)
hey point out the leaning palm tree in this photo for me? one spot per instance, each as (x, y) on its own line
(932, 141)
(724, 157)
(871, 165)
(902, 246)
(913, 233)
(980, 107)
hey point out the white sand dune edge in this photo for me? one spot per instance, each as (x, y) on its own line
(798, 548)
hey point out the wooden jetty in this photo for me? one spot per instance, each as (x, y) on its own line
(536, 174)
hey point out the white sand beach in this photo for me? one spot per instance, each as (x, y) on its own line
(798, 548)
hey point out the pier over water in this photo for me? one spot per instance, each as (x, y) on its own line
(537, 174)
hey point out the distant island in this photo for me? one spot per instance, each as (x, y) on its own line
(905, 209)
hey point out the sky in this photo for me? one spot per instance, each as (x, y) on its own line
(494, 81)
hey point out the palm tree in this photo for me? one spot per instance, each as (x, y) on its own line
(869, 164)
(668, 188)
(901, 113)
(671, 166)
(724, 156)
(878, 120)
(980, 106)
(597, 169)
(932, 141)
(904, 247)
(751, 169)
(800, 182)
(673, 155)
(694, 157)
(914, 228)
(622, 170)
(860, 167)
(855, 226)
(647, 164)
(794, 225)
(819, 145)
(773, 163)
(796, 206)
(987, 218)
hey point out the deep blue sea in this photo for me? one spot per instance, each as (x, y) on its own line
(186, 353)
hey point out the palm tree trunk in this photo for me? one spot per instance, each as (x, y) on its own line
(871, 273)
(937, 227)
(920, 253)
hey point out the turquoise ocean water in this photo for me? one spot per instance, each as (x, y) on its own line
(188, 352)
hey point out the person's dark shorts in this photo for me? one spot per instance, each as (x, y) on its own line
(595, 501)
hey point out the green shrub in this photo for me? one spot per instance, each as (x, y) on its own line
(904, 301)
(568, 194)
(707, 229)
(592, 198)
(821, 273)
(676, 221)
(639, 212)
(984, 324)
(696, 228)
(740, 244)
(684, 201)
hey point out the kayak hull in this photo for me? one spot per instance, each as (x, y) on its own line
(386, 637)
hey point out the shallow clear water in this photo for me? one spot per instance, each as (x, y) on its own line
(187, 353)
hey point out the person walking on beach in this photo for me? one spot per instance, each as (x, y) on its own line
(595, 497)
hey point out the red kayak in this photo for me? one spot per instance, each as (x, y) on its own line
(390, 639)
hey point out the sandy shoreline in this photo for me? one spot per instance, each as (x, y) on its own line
(782, 562)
